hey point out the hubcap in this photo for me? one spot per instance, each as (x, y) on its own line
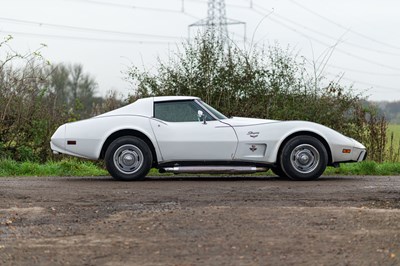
(128, 159)
(305, 158)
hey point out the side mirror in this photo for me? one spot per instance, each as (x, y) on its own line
(201, 116)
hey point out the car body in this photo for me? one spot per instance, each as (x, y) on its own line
(182, 134)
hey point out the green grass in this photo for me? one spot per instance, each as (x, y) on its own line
(70, 167)
(75, 167)
(395, 129)
(365, 168)
(393, 145)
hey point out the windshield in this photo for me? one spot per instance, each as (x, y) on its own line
(216, 113)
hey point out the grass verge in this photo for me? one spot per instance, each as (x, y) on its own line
(69, 167)
(75, 167)
(365, 168)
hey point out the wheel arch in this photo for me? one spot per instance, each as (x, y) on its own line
(311, 134)
(129, 132)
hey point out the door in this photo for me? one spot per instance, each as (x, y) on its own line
(181, 136)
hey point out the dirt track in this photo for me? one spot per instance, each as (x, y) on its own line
(200, 221)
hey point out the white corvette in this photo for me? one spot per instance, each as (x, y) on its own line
(185, 135)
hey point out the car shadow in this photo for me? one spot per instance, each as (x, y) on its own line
(219, 178)
(241, 178)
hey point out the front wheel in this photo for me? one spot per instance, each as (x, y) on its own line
(303, 158)
(128, 158)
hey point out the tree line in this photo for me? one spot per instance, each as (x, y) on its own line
(36, 97)
(391, 110)
(268, 82)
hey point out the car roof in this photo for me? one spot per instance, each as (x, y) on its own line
(174, 98)
(144, 106)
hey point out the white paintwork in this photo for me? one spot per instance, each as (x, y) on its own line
(91, 134)
(273, 133)
(245, 121)
(235, 139)
(174, 98)
(193, 141)
(142, 107)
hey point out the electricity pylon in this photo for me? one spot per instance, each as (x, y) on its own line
(217, 22)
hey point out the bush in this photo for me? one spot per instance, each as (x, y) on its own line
(36, 98)
(269, 83)
(27, 116)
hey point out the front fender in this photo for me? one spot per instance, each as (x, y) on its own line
(273, 136)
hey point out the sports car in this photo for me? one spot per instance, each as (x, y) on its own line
(182, 134)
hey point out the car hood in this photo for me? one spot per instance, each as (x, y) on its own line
(245, 121)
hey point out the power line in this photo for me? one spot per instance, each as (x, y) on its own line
(312, 30)
(125, 6)
(65, 37)
(363, 72)
(74, 28)
(133, 7)
(328, 45)
(375, 86)
(217, 22)
(343, 27)
(198, 1)
(331, 37)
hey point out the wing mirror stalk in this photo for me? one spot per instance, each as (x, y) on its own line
(201, 116)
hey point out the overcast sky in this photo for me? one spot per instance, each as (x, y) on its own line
(94, 33)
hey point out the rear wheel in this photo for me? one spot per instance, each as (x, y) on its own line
(128, 158)
(303, 158)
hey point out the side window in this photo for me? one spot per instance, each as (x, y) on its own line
(178, 111)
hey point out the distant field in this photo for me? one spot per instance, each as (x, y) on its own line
(395, 130)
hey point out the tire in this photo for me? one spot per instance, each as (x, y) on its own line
(303, 158)
(128, 158)
(277, 170)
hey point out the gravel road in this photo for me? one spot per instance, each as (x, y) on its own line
(200, 221)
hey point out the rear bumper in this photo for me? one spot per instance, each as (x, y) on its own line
(57, 142)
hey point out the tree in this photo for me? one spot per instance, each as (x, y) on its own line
(35, 98)
(73, 89)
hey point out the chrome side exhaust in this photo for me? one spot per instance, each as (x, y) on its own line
(213, 169)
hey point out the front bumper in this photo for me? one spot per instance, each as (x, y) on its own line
(363, 156)
(359, 149)
(357, 153)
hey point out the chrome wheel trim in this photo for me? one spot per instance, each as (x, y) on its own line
(305, 158)
(128, 159)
